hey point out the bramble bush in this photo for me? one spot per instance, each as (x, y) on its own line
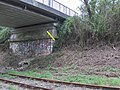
(99, 21)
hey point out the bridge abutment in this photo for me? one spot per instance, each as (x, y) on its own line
(33, 41)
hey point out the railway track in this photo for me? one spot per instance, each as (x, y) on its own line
(24, 85)
(56, 84)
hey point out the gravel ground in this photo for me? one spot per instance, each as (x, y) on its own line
(49, 85)
(4, 86)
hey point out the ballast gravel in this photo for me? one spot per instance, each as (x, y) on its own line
(4, 86)
(49, 85)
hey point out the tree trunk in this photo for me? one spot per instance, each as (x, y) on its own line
(88, 8)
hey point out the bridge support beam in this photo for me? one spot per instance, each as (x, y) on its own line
(33, 41)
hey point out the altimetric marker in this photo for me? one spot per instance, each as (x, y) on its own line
(51, 35)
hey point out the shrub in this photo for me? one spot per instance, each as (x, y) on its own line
(4, 34)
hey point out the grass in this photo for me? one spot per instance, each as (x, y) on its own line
(98, 80)
(109, 68)
(66, 76)
(6, 75)
(11, 87)
(46, 74)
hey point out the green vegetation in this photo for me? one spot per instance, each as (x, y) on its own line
(11, 87)
(99, 21)
(6, 75)
(108, 68)
(45, 74)
(66, 76)
(72, 31)
(92, 79)
(4, 34)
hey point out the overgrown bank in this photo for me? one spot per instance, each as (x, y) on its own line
(99, 22)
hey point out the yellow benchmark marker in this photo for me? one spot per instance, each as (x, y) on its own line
(51, 35)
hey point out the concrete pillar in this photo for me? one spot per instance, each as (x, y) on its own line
(33, 41)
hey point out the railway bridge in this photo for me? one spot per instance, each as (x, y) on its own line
(30, 21)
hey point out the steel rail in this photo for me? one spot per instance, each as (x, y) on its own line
(67, 83)
(24, 85)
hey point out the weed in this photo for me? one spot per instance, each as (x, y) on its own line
(11, 87)
(98, 80)
(66, 76)
(108, 68)
(6, 75)
(46, 74)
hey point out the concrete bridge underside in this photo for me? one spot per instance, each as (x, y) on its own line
(13, 16)
(17, 13)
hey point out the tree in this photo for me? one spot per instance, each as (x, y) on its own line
(97, 13)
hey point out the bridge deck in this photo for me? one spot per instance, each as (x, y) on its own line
(19, 13)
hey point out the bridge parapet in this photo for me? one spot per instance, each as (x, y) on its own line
(53, 4)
